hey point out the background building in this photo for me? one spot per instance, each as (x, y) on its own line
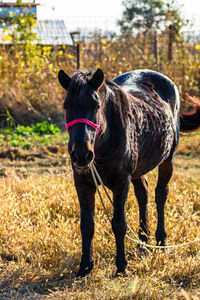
(49, 32)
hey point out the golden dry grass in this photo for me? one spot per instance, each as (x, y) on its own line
(40, 238)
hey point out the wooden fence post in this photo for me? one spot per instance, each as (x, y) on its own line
(155, 47)
(75, 36)
(170, 43)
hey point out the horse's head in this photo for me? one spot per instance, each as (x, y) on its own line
(83, 112)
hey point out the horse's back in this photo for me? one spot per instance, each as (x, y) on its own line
(156, 106)
(141, 80)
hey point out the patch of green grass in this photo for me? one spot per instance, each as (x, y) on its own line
(39, 128)
(24, 136)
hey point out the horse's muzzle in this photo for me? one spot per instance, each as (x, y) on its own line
(82, 156)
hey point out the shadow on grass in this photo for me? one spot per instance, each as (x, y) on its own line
(187, 280)
(27, 282)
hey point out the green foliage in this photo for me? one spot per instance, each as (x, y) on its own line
(39, 128)
(9, 120)
(45, 128)
(22, 136)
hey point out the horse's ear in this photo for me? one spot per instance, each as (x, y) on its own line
(64, 79)
(97, 79)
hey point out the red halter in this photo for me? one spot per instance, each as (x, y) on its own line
(86, 121)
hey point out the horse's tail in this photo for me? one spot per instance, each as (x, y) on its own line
(191, 120)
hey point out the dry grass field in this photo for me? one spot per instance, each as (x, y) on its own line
(40, 236)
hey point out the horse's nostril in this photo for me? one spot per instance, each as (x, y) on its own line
(82, 159)
(89, 156)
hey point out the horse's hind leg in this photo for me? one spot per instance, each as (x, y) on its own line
(141, 193)
(164, 174)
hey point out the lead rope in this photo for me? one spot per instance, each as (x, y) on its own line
(95, 181)
(108, 196)
(95, 174)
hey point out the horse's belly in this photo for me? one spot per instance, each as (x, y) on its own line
(153, 151)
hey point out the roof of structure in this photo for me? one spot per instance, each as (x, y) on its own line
(52, 32)
(49, 32)
(17, 4)
(13, 3)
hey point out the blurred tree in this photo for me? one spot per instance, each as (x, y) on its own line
(148, 15)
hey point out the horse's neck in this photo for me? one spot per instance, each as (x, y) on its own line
(104, 94)
(111, 142)
(113, 109)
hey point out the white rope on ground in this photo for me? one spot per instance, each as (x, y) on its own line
(137, 240)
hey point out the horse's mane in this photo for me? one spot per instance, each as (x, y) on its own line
(120, 99)
(79, 80)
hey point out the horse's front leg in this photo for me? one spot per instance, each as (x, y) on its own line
(119, 225)
(86, 195)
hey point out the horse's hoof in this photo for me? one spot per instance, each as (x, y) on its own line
(121, 274)
(142, 250)
(83, 271)
(162, 245)
(166, 250)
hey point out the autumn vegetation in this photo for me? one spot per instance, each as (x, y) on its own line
(29, 89)
(40, 238)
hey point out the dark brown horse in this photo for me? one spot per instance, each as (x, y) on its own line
(139, 122)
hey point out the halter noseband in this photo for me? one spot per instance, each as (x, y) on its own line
(86, 121)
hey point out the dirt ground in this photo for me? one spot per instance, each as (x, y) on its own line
(40, 159)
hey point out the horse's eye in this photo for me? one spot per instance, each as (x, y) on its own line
(97, 105)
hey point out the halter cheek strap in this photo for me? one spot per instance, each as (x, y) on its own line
(86, 121)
